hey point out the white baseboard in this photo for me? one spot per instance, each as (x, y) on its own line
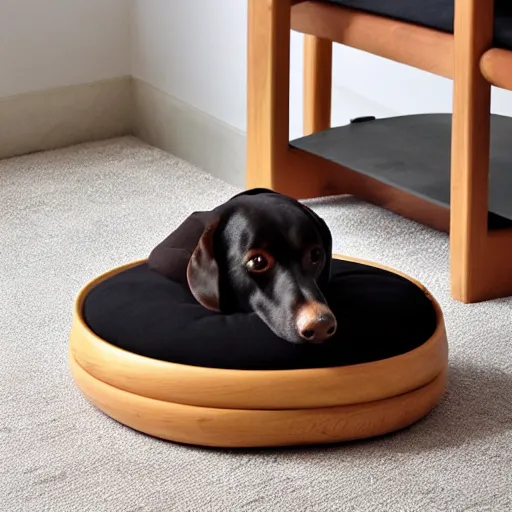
(127, 105)
(64, 116)
(178, 128)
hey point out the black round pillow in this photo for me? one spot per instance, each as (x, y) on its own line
(380, 314)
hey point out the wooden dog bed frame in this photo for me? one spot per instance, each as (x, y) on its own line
(237, 408)
(464, 205)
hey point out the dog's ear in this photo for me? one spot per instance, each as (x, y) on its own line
(186, 256)
(326, 236)
(203, 271)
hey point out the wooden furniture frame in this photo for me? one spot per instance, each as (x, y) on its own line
(247, 408)
(480, 259)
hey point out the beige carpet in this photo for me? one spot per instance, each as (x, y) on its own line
(67, 215)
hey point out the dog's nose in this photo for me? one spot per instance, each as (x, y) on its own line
(315, 322)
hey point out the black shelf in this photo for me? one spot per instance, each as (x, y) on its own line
(412, 153)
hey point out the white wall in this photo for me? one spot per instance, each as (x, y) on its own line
(195, 50)
(53, 43)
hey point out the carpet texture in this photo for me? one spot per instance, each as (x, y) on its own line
(67, 215)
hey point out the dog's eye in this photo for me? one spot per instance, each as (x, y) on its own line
(258, 263)
(315, 255)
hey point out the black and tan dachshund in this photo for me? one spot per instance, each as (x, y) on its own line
(259, 252)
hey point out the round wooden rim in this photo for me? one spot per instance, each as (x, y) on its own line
(265, 389)
(237, 428)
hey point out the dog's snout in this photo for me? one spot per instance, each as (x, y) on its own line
(315, 322)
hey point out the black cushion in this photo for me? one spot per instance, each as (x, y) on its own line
(379, 315)
(436, 14)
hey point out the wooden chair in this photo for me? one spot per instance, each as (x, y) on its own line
(470, 53)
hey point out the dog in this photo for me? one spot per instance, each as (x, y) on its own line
(261, 252)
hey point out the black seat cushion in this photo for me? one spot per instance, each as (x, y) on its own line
(379, 315)
(436, 14)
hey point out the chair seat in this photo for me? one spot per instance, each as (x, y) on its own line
(435, 14)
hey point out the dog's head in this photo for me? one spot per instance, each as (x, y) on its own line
(259, 252)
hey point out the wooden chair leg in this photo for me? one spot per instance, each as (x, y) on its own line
(470, 149)
(268, 92)
(317, 84)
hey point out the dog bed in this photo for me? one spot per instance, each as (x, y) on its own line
(147, 354)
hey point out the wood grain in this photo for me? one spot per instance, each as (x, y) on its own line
(470, 153)
(496, 282)
(317, 177)
(317, 84)
(268, 79)
(416, 46)
(496, 67)
(232, 428)
(240, 389)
